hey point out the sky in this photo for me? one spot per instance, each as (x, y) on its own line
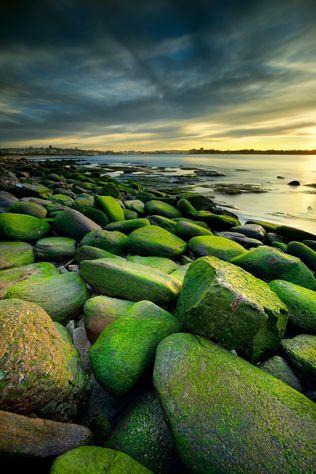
(158, 74)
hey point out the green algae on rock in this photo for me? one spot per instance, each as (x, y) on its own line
(226, 415)
(162, 208)
(186, 230)
(11, 276)
(39, 438)
(305, 253)
(114, 242)
(74, 224)
(55, 248)
(62, 296)
(163, 264)
(155, 241)
(95, 215)
(15, 254)
(223, 302)
(128, 280)
(279, 368)
(143, 434)
(46, 379)
(22, 226)
(300, 302)
(126, 348)
(270, 263)
(219, 247)
(100, 311)
(96, 460)
(30, 208)
(87, 252)
(163, 223)
(128, 226)
(111, 207)
(300, 352)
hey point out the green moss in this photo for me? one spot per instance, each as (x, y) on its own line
(155, 241)
(292, 233)
(226, 415)
(223, 302)
(279, 368)
(127, 226)
(63, 199)
(300, 352)
(126, 348)
(186, 207)
(14, 254)
(74, 224)
(220, 247)
(163, 222)
(305, 253)
(95, 460)
(55, 248)
(162, 209)
(30, 208)
(135, 205)
(111, 207)
(87, 252)
(163, 264)
(95, 214)
(22, 226)
(216, 221)
(111, 241)
(186, 230)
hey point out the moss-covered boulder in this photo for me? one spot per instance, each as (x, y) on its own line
(300, 302)
(226, 415)
(128, 214)
(292, 233)
(216, 221)
(186, 207)
(84, 200)
(135, 205)
(300, 352)
(162, 208)
(94, 460)
(223, 302)
(74, 224)
(163, 222)
(14, 254)
(279, 368)
(111, 207)
(38, 438)
(181, 271)
(30, 208)
(305, 253)
(163, 264)
(22, 226)
(87, 252)
(186, 230)
(13, 275)
(63, 199)
(219, 247)
(6, 200)
(113, 242)
(126, 348)
(270, 263)
(246, 242)
(55, 248)
(143, 434)
(46, 379)
(95, 215)
(101, 311)
(128, 226)
(155, 241)
(62, 296)
(128, 280)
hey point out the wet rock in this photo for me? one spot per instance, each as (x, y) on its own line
(294, 183)
(14, 254)
(241, 239)
(254, 231)
(73, 224)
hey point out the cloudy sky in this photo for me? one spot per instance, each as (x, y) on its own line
(158, 74)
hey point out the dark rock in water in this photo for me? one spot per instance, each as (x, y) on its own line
(294, 183)
(268, 226)
(87, 252)
(39, 438)
(222, 302)
(300, 352)
(143, 434)
(72, 223)
(305, 253)
(291, 233)
(94, 459)
(46, 379)
(14, 254)
(270, 263)
(279, 368)
(280, 177)
(253, 231)
(226, 415)
(246, 242)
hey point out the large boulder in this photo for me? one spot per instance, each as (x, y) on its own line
(14, 254)
(300, 302)
(55, 248)
(270, 263)
(155, 241)
(305, 253)
(101, 311)
(126, 348)
(111, 207)
(219, 247)
(95, 460)
(128, 226)
(62, 296)
(226, 415)
(163, 264)
(22, 226)
(162, 208)
(187, 229)
(87, 252)
(225, 303)
(128, 280)
(143, 434)
(74, 224)
(254, 231)
(300, 352)
(11, 276)
(38, 438)
(113, 242)
(30, 208)
(40, 369)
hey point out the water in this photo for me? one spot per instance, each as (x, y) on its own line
(282, 203)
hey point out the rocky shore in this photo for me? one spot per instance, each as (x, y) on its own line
(147, 330)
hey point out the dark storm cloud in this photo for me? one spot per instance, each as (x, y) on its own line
(122, 68)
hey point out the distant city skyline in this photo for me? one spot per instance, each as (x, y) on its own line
(162, 75)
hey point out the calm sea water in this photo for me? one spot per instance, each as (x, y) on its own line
(282, 203)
